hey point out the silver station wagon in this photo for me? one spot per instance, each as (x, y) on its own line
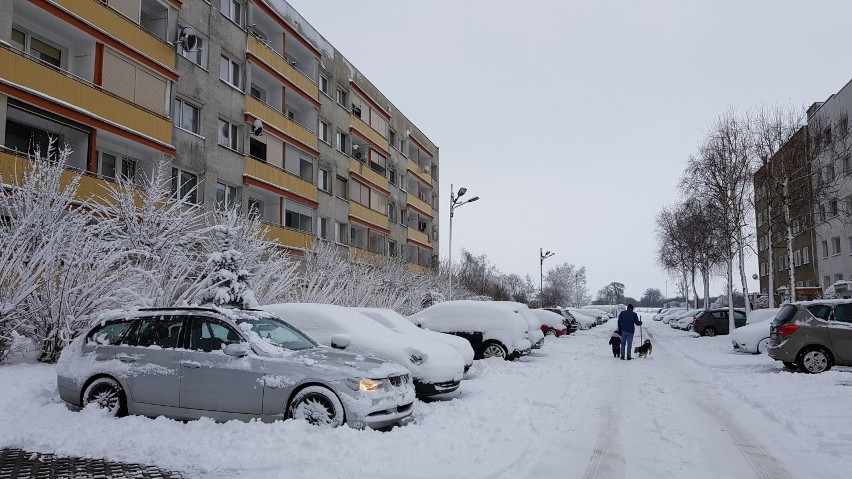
(226, 364)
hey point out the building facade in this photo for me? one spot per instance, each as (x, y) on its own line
(243, 98)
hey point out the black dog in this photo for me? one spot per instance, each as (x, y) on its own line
(644, 350)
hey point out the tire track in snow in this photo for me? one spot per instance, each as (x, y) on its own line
(607, 462)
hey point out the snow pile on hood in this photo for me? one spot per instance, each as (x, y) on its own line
(496, 321)
(549, 318)
(760, 315)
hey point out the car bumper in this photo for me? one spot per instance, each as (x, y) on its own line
(780, 353)
(538, 344)
(423, 389)
(387, 417)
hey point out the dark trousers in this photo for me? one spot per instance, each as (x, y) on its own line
(626, 343)
(615, 348)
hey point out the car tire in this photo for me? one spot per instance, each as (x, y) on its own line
(814, 361)
(791, 366)
(493, 349)
(709, 331)
(317, 405)
(689, 327)
(762, 345)
(550, 332)
(108, 394)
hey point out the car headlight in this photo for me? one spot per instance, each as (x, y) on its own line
(363, 384)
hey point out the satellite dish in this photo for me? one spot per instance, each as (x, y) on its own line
(754, 276)
(257, 127)
(187, 39)
(427, 169)
(394, 198)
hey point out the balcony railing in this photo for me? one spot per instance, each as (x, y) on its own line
(419, 171)
(364, 170)
(421, 205)
(288, 237)
(91, 189)
(368, 132)
(274, 60)
(370, 216)
(418, 236)
(285, 180)
(280, 121)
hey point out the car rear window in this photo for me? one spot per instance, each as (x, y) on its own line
(786, 314)
(821, 311)
(109, 333)
(843, 312)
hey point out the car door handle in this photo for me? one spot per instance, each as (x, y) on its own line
(190, 364)
(126, 358)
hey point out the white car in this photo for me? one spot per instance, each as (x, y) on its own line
(685, 319)
(401, 324)
(536, 335)
(672, 313)
(599, 316)
(585, 321)
(492, 329)
(552, 324)
(754, 336)
(435, 367)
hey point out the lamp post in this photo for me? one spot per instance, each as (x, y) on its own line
(542, 256)
(455, 203)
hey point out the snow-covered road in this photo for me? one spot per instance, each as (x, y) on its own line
(694, 409)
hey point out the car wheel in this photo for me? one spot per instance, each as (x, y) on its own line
(317, 405)
(689, 327)
(494, 350)
(814, 361)
(550, 332)
(108, 394)
(762, 345)
(709, 331)
(790, 366)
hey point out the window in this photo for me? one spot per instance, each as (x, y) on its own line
(298, 216)
(358, 236)
(306, 169)
(824, 248)
(323, 180)
(342, 142)
(341, 96)
(822, 212)
(378, 243)
(257, 92)
(323, 84)
(826, 135)
(806, 258)
(109, 333)
(226, 195)
(341, 233)
(322, 228)
(403, 216)
(232, 9)
(378, 163)
(838, 277)
(392, 212)
(359, 193)
(833, 208)
(835, 245)
(826, 281)
(763, 269)
(843, 126)
(197, 55)
(41, 50)
(392, 138)
(184, 185)
(323, 131)
(797, 258)
(257, 149)
(210, 335)
(229, 71)
(341, 188)
(843, 312)
(161, 332)
(392, 249)
(186, 116)
(847, 164)
(392, 177)
(829, 173)
(229, 135)
(110, 165)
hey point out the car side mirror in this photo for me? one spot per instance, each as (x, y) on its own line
(340, 341)
(237, 350)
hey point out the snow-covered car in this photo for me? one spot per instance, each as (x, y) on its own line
(599, 316)
(492, 329)
(187, 363)
(536, 335)
(754, 337)
(584, 320)
(401, 324)
(436, 367)
(672, 313)
(552, 324)
(658, 316)
(568, 319)
(684, 320)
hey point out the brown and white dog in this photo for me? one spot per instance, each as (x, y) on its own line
(644, 349)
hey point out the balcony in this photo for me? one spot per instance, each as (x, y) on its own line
(288, 237)
(122, 29)
(62, 86)
(367, 132)
(279, 178)
(370, 216)
(90, 189)
(418, 236)
(280, 64)
(419, 204)
(414, 167)
(278, 120)
(363, 170)
(418, 269)
(366, 256)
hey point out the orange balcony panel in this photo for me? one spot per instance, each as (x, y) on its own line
(418, 269)
(363, 170)
(288, 237)
(365, 256)
(90, 189)
(413, 166)
(280, 64)
(368, 132)
(419, 204)
(33, 75)
(418, 236)
(278, 120)
(368, 215)
(279, 178)
(121, 28)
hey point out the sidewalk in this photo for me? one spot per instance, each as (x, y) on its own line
(18, 464)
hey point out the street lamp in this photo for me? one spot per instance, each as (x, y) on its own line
(542, 256)
(455, 203)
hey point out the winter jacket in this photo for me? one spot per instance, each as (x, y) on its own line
(627, 322)
(615, 339)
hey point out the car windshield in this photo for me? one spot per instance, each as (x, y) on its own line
(277, 331)
(786, 314)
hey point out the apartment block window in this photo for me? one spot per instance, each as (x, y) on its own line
(358, 236)
(829, 173)
(187, 116)
(403, 216)
(378, 243)
(322, 228)
(392, 213)
(323, 132)
(835, 245)
(115, 166)
(826, 281)
(847, 164)
(255, 209)
(342, 142)
(838, 277)
(392, 138)
(822, 212)
(323, 84)
(232, 9)
(298, 216)
(341, 96)
(323, 181)
(257, 149)
(341, 187)
(763, 269)
(806, 257)
(226, 195)
(833, 208)
(229, 71)
(39, 49)
(184, 185)
(392, 176)
(341, 233)
(824, 244)
(826, 135)
(378, 163)
(850, 245)
(257, 92)
(848, 205)
(359, 193)
(306, 169)
(797, 258)
(392, 250)
(843, 126)
(197, 55)
(229, 135)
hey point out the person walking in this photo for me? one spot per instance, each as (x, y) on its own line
(627, 322)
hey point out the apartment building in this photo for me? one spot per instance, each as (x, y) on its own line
(247, 102)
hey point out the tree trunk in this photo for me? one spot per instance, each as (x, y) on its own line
(694, 291)
(706, 279)
(729, 263)
(771, 264)
(791, 266)
(743, 277)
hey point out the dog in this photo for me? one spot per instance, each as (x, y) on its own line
(644, 350)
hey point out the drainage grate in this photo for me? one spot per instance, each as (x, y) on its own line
(18, 464)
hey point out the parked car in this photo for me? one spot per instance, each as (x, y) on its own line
(599, 316)
(584, 320)
(812, 336)
(436, 367)
(658, 316)
(552, 324)
(672, 313)
(715, 321)
(187, 363)
(492, 329)
(536, 336)
(685, 320)
(754, 336)
(401, 324)
(570, 322)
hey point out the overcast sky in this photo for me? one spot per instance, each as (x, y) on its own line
(572, 120)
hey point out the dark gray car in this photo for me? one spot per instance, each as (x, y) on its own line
(715, 321)
(812, 336)
(227, 364)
